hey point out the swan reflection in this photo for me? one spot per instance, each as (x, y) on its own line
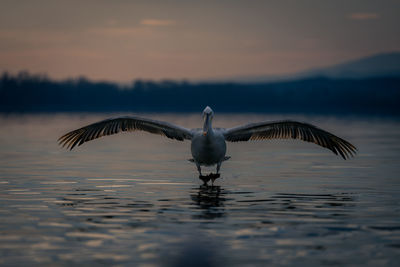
(210, 201)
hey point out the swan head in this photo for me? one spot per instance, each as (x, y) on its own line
(208, 114)
(208, 111)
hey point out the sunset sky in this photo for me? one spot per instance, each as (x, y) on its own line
(125, 40)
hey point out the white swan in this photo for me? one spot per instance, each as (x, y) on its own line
(208, 144)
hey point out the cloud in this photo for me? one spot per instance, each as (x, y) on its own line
(363, 16)
(157, 22)
(118, 31)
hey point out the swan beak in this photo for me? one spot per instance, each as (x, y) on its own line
(206, 124)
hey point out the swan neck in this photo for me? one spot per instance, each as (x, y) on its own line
(207, 128)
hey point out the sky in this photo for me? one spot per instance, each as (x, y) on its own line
(124, 40)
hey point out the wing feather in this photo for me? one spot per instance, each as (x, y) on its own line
(291, 130)
(114, 126)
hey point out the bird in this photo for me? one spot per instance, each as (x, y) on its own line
(208, 144)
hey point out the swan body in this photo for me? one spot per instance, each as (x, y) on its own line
(208, 144)
(210, 149)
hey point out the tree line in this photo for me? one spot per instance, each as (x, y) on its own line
(24, 92)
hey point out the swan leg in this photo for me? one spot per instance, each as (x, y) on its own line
(198, 168)
(214, 177)
(218, 166)
(205, 179)
(217, 175)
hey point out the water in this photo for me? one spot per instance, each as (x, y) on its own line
(134, 199)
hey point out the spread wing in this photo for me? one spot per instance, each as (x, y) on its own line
(114, 126)
(291, 130)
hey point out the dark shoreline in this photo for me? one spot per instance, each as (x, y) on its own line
(376, 96)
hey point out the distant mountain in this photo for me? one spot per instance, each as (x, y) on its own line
(387, 64)
(379, 65)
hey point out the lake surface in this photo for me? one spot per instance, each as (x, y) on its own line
(134, 199)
